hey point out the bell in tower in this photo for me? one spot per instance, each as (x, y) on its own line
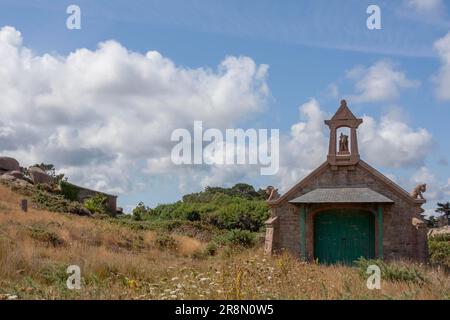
(345, 150)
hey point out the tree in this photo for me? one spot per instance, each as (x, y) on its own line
(444, 208)
(431, 222)
(140, 211)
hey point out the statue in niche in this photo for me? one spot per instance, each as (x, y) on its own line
(343, 144)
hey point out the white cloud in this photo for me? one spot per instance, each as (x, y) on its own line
(442, 79)
(301, 151)
(434, 188)
(392, 143)
(100, 114)
(10, 36)
(425, 6)
(306, 146)
(332, 91)
(380, 82)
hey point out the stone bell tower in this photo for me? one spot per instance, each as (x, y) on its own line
(346, 153)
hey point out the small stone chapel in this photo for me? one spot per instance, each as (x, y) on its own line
(345, 209)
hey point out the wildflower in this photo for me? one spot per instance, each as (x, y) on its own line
(132, 283)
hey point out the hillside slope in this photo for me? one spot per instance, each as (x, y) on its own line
(36, 247)
(119, 262)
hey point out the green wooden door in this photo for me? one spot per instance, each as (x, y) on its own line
(344, 236)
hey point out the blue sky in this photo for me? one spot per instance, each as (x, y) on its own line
(317, 52)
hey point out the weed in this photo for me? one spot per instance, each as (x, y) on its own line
(394, 271)
(46, 236)
(96, 204)
(166, 241)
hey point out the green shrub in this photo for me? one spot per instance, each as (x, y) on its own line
(166, 241)
(141, 211)
(46, 236)
(137, 216)
(54, 273)
(193, 216)
(243, 238)
(211, 249)
(96, 204)
(395, 271)
(236, 237)
(439, 249)
(239, 207)
(241, 190)
(69, 191)
(441, 237)
(168, 225)
(56, 203)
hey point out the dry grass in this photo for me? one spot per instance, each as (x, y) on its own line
(120, 263)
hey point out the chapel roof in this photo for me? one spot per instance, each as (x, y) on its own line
(342, 195)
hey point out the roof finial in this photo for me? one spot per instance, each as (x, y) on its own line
(343, 103)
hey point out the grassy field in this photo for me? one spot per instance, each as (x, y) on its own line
(120, 262)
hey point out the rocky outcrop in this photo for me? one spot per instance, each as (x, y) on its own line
(39, 176)
(8, 164)
(17, 175)
(439, 231)
(46, 192)
(21, 183)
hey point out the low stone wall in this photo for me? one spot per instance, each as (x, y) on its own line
(85, 193)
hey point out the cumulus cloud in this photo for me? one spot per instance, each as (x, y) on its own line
(219, 166)
(435, 190)
(379, 82)
(305, 147)
(301, 151)
(391, 142)
(442, 79)
(100, 114)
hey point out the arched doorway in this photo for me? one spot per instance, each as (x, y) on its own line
(344, 235)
